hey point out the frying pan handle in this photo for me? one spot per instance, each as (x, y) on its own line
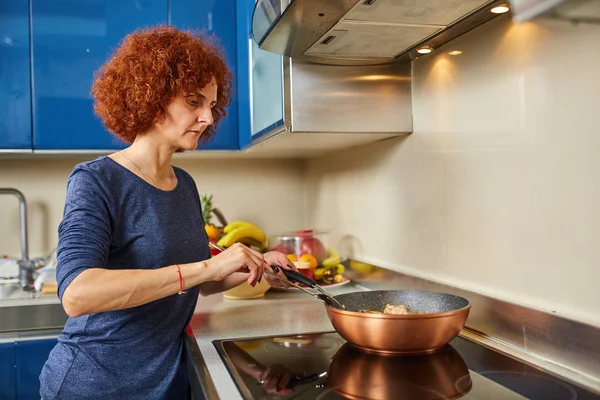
(298, 277)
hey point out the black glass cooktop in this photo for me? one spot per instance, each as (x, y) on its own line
(323, 366)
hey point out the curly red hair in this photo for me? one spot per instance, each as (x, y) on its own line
(150, 68)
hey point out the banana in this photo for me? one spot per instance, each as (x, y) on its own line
(333, 258)
(230, 227)
(361, 267)
(250, 241)
(331, 261)
(247, 231)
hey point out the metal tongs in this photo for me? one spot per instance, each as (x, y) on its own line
(293, 277)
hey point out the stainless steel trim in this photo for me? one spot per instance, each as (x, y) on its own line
(250, 86)
(572, 346)
(281, 129)
(336, 99)
(233, 371)
(288, 99)
(24, 336)
(200, 381)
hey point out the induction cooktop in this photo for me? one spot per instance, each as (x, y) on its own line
(323, 366)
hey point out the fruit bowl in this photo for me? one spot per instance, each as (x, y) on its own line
(318, 248)
(245, 291)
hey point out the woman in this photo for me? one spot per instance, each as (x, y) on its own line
(133, 254)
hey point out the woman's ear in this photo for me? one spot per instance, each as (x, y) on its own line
(160, 118)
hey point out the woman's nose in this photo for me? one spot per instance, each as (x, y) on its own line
(206, 117)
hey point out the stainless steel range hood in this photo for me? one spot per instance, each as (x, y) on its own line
(362, 32)
(571, 10)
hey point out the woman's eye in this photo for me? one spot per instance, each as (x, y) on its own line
(193, 102)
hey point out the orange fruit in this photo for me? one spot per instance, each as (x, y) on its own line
(292, 257)
(310, 259)
(212, 232)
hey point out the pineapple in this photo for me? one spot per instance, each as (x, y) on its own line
(207, 207)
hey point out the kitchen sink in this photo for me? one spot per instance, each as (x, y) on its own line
(22, 311)
(14, 292)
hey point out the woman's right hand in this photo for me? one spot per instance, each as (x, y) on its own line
(238, 258)
(275, 380)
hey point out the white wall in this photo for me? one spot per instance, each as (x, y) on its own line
(498, 188)
(266, 192)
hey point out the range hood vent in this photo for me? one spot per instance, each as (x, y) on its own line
(361, 32)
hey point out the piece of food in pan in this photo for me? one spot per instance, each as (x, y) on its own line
(391, 309)
(400, 310)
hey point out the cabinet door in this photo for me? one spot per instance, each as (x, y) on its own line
(215, 17)
(30, 358)
(71, 39)
(267, 90)
(8, 388)
(15, 95)
(266, 82)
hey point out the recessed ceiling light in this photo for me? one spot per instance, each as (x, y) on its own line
(455, 52)
(500, 9)
(425, 50)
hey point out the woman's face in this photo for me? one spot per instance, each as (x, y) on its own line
(187, 117)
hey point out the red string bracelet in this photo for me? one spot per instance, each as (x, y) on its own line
(180, 281)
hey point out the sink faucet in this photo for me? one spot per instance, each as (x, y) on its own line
(27, 267)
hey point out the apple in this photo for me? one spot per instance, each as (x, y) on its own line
(311, 245)
(282, 248)
(307, 272)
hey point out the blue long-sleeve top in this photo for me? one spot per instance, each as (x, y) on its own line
(113, 219)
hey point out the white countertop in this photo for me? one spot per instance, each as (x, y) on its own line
(278, 313)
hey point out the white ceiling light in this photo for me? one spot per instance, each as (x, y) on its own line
(500, 9)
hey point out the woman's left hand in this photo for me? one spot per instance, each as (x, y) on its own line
(279, 260)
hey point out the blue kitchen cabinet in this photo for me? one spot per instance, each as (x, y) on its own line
(218, 18)
(15, 94)
(8, 387)
(30, 358)
(71, 39)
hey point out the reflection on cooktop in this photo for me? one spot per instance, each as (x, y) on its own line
(324, 366)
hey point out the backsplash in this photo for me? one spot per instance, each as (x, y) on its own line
(497, 189)
(252, 190)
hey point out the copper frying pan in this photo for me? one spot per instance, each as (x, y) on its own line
(435, 319)
(439, 318)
